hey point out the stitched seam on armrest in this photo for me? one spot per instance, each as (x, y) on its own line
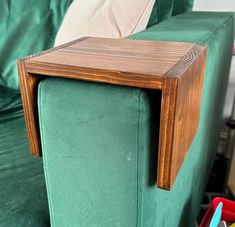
(139, 165)
(44, 156)
(209, 36)
(137, 162)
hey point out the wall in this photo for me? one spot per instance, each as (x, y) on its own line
(221, 5)
(214, 5)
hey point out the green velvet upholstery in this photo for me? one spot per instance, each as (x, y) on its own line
(23, 198)
(26, 27)
(182, 6)
(90, 183)
(98, 147)
(164, 9)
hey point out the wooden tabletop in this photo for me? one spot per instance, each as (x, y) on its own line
(140, 63)
(176, 68)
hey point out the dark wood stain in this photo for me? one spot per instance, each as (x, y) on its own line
(177, 69)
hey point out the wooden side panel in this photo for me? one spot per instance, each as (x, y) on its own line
(182, 119)
(28, 87)
(167, 117)
(188, 112)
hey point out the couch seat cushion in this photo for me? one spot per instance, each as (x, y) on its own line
(23, 198)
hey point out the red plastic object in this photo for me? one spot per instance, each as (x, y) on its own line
(228, 211)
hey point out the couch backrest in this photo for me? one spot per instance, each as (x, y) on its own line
(26, 27)
(164, 9)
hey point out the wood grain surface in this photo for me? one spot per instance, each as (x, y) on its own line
(175, 68)
(180, 110)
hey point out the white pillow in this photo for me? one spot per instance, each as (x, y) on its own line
(104, 18)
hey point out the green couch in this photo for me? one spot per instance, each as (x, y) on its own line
(26, 27)
(96, 138)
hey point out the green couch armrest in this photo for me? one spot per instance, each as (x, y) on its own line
(85, 186)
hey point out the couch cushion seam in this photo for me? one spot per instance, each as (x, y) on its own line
(209, 35)
(44, 156)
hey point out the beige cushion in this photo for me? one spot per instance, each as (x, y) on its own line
(104, 18)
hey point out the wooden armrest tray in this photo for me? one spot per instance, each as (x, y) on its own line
(177, 69)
